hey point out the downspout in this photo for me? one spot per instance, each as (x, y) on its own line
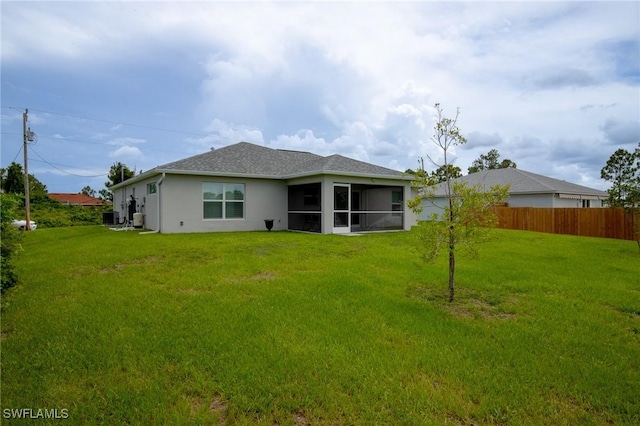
(159, 190)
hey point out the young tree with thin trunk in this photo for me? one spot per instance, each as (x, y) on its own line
(467, 219)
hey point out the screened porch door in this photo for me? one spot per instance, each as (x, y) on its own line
(341, 209)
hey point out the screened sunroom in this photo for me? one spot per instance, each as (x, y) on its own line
(352, 207)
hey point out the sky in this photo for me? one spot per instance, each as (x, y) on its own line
(553, 86)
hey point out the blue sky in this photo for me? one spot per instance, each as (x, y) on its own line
(553, 86)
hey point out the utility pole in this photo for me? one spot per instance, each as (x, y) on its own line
(27, 136)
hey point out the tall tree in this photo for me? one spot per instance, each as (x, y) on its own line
(118, 173)
(13, 182)
(105, 195)
(441, 173)
(490, 161)
(87, 190)
(419, 172)
(13, 179)
(623, 171)
(466, 220)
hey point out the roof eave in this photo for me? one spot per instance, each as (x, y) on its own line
(136, 178)
(349, 174)
(158, 171)
(218, 174)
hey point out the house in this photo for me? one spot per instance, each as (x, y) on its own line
(526, 189)
(77, 200)
(238, 187)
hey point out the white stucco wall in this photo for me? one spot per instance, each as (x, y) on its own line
(438, 204)
(146, 203)
(574, 203)
(430, 206)
(264, 199)
(181, 205)
(530, 200)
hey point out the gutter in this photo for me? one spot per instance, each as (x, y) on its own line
(159, 189)
(285, 176)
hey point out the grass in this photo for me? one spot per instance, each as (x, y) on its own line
(287, 328)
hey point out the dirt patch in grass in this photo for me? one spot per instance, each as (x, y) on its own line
(467, 304)
(264, 276)
(574, 409)
(191, 291)
(474, 308)
(300, 418)
(116, 267)
(219, 406)
(136, 262)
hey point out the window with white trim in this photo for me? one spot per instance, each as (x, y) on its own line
(222, 200)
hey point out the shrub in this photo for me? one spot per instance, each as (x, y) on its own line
(11, 238)
(49, 213)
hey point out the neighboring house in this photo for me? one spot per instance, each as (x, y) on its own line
(238, 187)
(78, 200)
(526, 189)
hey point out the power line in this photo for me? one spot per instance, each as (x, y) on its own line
(142, 126)
(62, 165)
(65, 139)
(17, 153)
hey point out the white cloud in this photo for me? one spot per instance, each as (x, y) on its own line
(126, 152)
(304, 140)
(223, 133)
(349, 78)
(125, 141)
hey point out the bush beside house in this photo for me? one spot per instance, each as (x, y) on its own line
(10, 242)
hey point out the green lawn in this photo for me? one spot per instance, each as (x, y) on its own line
(289, 328)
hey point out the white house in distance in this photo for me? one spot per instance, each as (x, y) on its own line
(526, 189)
(238, 187)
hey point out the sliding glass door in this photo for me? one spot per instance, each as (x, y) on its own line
(341, 208)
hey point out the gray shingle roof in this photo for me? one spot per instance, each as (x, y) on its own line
(253, 160)
(523, 182)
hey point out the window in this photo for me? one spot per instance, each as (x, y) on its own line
(223, 200)
(396, 201)
(586, 204)
(311, 197)
(151, 188)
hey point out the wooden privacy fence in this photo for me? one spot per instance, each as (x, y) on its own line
(593, 222)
